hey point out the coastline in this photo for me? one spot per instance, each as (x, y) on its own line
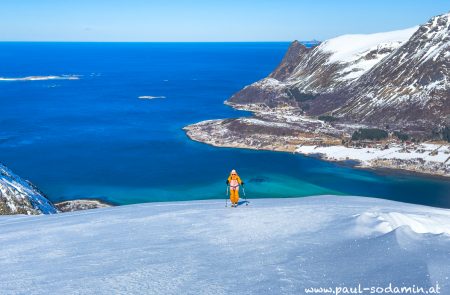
(260, 132)
(377, 169)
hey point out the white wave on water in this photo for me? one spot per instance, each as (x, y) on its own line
(150, 97)
(41, 78)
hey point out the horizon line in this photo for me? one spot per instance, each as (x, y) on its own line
(51, 41)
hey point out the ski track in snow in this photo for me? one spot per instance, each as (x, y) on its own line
(273, 246)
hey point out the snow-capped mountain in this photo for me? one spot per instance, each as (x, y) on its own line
(337, 62)
(411, 84)
(18, 196)
(305, 73)
(398, 78)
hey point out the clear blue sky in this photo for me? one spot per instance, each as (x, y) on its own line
(198, 20)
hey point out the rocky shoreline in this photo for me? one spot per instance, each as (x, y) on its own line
(284, 130)
(80, 204)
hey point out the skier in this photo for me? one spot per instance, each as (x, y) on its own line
(234, 181)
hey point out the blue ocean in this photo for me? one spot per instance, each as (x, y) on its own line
(91, 136)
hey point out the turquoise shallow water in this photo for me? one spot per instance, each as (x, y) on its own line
(93, 137)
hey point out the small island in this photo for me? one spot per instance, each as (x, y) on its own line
(149, 97)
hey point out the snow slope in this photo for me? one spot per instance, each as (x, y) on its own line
(348, 48)
(360, 52)
(273, 246)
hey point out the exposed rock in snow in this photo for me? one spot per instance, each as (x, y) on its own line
(18, 196)
(78, 205)
(272, 246)
(290, 61)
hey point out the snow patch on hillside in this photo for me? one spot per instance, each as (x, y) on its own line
(427, 152)
(348, 48)
(428, 157)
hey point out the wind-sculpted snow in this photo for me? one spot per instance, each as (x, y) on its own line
(384, 222)
(272, 246)
(18, 196)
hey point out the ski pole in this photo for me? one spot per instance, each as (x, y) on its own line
(245, 196)
(226, 199)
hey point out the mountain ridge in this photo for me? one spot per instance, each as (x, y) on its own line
(18, 196)
(398, 78)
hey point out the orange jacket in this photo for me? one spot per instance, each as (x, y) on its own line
(234, 180)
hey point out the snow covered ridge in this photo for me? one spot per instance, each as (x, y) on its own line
(18, 196)
(327, 67)
(411, 84)
(272, 246)
(349, 48)
(399, 78)
(359, 52)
